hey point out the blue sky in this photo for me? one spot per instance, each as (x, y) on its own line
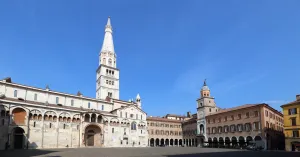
(247, 50)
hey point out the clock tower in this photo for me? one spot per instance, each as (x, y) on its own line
(205, 106)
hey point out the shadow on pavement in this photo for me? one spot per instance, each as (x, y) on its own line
(241, 154)
(26, 153)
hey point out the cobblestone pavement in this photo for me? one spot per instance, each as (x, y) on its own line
(145, 152)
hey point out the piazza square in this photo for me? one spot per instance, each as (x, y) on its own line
(42, 121)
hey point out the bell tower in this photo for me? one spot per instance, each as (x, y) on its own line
(107, 77)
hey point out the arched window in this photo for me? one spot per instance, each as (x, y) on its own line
(106, 81)
(121, 114)
(102, 107)
(89, 105)
(133, 126)
(15, 93)
(35, 97)
(109, 62)
(112, 83)
(104, 61)
(72, 102)
(57, 100)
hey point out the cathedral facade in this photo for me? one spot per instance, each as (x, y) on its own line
(35, 118)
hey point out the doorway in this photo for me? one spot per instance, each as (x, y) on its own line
(18, 138)
(90, 138)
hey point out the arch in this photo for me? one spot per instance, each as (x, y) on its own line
(36, 111)
(167, 142)
(157, 142)
(196, 142)
(241, 141)
(176, 142)
(210, 142)
(180, 142)
(87, 118)
(227, 142)
(19, 115)
(99, 119)
(152, 142)
(93, 135)
(190, 142)
(234, 141)
(221, 142)
(162, 142)
(133, 126)
(93, 118)
(193, 142)
(201, 141)
(76, 118)
(125, 122)
(18, 138)
(65, 114)
(171, 142)
(248, 139)
(215, 142)
(201, 128)
(49, 115)
(257, 138)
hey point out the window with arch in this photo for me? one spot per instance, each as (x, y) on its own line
(136, 116)
(109, 62)
(112, 83)
(35, 97)
(102, 107)
(89, 105)
(104, 61)
(121, 114)
(106, 81)
(133, 126)
(16, 93)
(72, 102)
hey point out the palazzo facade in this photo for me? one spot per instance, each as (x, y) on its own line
(33, 117)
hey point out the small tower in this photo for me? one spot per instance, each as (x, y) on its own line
(138, 101)
(205, 92)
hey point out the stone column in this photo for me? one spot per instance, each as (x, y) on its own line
(96, 120)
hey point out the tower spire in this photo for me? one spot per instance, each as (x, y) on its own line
(108, 44)
(204, 84)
